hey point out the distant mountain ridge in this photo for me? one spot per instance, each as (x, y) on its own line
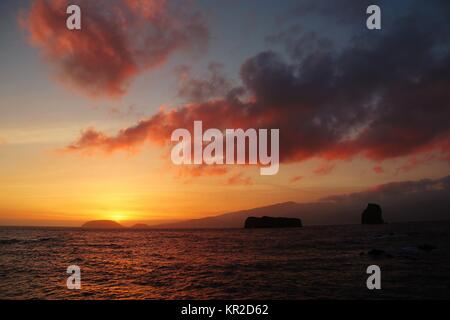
(233, 219)
(422, 200)
(310, 213)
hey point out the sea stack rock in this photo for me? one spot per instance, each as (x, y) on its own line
(270, 222)
(372, 214)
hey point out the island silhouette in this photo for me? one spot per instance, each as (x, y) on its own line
(272, 222)
(371, 215)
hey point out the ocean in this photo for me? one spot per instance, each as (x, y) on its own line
(313, 262)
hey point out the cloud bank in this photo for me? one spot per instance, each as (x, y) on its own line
(380, 97)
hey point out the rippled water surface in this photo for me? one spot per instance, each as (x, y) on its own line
(312, 262)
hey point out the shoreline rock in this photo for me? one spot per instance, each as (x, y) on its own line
(372, 214)
(272, 222)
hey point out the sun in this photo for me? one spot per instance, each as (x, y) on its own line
(118, 216)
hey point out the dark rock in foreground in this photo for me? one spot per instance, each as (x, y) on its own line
(270, 222)
(102, 224)
(372, 214)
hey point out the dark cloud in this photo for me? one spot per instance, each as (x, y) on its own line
(397, 191)
(381, 96)
(215, 85)
(427, 199)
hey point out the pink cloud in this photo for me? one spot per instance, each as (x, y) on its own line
(296, 179)
(378, 169)
(324, 168)
(118, 40)
(239, 179)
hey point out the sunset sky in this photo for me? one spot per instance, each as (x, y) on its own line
(86, 116)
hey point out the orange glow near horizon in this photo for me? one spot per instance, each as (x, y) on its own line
(101, 150)
(71, 189)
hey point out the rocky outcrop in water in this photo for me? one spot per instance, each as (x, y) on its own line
(372, 214)
(271, 222)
